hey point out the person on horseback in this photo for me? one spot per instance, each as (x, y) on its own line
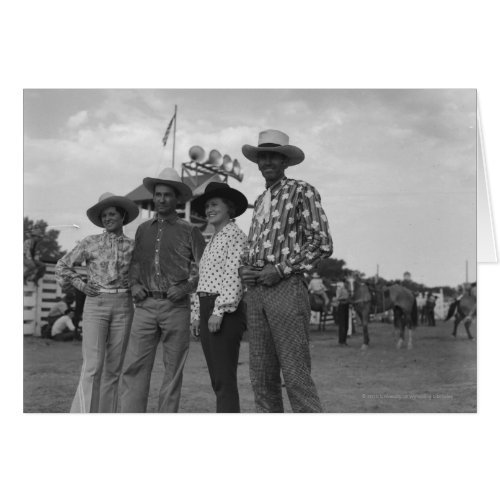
(34, 269)
(317, 287)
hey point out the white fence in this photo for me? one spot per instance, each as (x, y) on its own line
(38, 301)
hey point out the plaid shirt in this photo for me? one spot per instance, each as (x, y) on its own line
(296, 233)
(167, 252)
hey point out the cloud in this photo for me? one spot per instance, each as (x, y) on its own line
(77, 119)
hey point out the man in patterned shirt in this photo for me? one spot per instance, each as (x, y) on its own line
(288, 235)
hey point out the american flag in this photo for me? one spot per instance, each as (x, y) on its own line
(167, 132)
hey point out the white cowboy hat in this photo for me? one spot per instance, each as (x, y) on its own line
(111, 200)
(275, 141)
(171, 178)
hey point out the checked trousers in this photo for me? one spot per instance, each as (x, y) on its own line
(278, 325)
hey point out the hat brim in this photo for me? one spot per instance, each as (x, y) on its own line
(94, 212)
(185, 193)
(294, 154)
(239, 199)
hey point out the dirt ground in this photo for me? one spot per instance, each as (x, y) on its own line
(437, 375)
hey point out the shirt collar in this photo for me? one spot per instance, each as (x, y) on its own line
(171, 219)
(112, 236)
(274, 188)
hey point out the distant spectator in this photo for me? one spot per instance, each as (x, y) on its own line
(59, 309)
(63, 329)
(430, 305)
(33, 268)
(343, 312)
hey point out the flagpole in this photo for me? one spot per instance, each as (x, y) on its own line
(175, 130)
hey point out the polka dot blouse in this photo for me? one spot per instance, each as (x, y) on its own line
(219, 270)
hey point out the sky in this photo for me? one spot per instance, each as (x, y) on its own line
(396, 169)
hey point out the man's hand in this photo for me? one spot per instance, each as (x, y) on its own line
(269, 276)
(248, 275)
(214, 323)
(91, 289)
(195, 327)
(138, 293)
(174, 294)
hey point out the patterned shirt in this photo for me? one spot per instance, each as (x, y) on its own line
(295, 234)
(219, 270)
(166, 253)
(107, 257)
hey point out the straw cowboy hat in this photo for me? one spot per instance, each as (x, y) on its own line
(277, 142)
(220, 190)
(171, 178)
(111, 200)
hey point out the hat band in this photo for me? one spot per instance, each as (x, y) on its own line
(270, 145)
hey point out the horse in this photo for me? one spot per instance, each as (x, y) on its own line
(318, 305)
(395, 297)
(463, 309)
(361, 300)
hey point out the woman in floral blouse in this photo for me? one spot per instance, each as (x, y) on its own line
(218, 315)
(108, 312)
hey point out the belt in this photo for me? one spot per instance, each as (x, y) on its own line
(114, 290)
(156, 294)
(206, 294)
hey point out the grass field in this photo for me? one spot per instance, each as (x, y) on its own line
(437, 375)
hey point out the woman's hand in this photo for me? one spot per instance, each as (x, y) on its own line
(195, 327)
(91, 289)
(214, 323)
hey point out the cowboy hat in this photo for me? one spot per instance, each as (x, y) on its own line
(171, 178)
(220, 190)
(276, 142)
(111, 200)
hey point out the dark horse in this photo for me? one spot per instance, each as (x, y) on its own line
(318, 305)
(395, 297)
(464, 309)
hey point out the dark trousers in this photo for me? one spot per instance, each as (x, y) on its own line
(79, 305)
(221, 351)
(343, 321)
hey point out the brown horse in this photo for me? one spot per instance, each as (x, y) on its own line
(318, 305)
(395, 297)
(464, 309)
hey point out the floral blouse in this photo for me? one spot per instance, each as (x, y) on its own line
(107, 257)
(219, 270)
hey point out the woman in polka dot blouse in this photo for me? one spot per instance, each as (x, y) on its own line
(218, 315)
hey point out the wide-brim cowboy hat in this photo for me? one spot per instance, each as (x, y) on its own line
(111, 200)
(220, 190)
(276, 142)
(171, 178)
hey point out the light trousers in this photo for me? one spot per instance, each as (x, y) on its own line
(106, 327)
(155, 321)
